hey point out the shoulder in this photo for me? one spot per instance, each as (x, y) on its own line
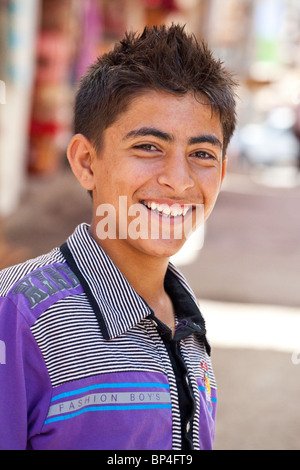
(13, 274)
(32, 287)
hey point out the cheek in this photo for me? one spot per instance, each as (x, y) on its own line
(115, 182)
(209, 184)
(209, 181)
(134, 178)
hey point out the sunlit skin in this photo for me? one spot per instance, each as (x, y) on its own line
(164, 149)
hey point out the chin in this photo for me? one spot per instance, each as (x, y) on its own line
(161, 248)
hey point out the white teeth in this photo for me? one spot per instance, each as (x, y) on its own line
(167, 210)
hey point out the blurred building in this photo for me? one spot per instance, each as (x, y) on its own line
(46, 45)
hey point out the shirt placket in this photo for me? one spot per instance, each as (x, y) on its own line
(151, 327)
(194, 424)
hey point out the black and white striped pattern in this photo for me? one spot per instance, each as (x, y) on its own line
(73, 347)
(9, 276)
(121, 307)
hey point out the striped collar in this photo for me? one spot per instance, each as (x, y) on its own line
(117, 305)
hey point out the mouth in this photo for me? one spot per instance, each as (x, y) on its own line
(166, 210)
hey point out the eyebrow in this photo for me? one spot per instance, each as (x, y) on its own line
(206, 138)
(144, 131)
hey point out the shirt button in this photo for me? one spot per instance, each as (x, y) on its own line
(188, 426)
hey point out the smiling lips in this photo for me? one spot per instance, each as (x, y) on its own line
(174, 210)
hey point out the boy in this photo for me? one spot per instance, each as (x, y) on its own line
(105, 345)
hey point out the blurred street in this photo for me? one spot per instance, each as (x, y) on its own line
(247, 280)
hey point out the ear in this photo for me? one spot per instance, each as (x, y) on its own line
(224, 166)
(80, 154)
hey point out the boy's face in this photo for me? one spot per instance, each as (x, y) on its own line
(163, 150)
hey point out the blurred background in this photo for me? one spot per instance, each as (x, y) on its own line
(246, 275)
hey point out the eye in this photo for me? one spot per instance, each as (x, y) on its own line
(203, 155)
(146, 147)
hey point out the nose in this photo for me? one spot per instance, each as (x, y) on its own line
(176, 174)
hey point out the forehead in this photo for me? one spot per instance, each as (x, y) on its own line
(179, 115)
